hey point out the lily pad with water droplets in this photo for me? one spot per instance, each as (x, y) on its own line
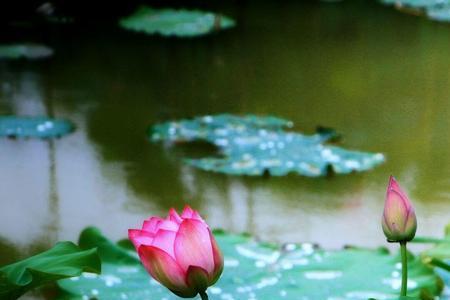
(180, 23)
(254, 145)
(259, 271)
(29, 51)
(34, 127)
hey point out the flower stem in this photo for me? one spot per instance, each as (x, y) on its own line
(404, 269)
(204, 295)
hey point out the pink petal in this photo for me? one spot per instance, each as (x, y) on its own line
(218, 260)
(174, 216)
(196, 216)
(395, 187)
(151, 225)
(193, 246)
(140, 237)
(163, 268)
(168, 225)
(165, 240)
(395, 211)
(411, 223)
(187, 212)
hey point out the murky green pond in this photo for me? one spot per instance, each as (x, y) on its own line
(379, 77)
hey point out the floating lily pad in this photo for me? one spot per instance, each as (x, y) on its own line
(260, 271)
(439, 254)
(439, 13)
(414, 3)
(437, 10)
(254, 145)
(35, 127)
(445, 275)
(30, 51)
(64, 260)
(181, 23)
(439, 257)
(439, 251)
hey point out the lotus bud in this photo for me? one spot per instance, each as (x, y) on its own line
(179, 251)
(399, 219)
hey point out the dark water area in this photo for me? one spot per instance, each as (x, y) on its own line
(379, 77)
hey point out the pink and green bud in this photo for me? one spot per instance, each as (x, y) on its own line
(399, 219)
(180, 252)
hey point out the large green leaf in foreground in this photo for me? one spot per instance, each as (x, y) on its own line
(170, 22)
(30, 51)
(254, 145)
(64, 260)
(35, 127)
(261, 272)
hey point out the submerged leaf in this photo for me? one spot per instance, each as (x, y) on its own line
(64, 260)
(170, 22)
(261, 271)
(30, 51)
(253, 145)
(36, 127)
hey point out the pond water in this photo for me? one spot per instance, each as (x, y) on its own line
(379, 77)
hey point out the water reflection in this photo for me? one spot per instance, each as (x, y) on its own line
(25, 180)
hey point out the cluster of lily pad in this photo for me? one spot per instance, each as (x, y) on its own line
(252, 145)
(253, 270)
(438, 10)
(166, 22)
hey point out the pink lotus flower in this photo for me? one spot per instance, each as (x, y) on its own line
(399, 219)
(180, 252)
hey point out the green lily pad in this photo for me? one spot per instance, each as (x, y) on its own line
(171, 22)
(64, 260)
(415, 3)
(437, 10)
(259, 271)
(439, 254)
(441, 248)
(36, 127)
(30, 51)
(254, 145)
(439, 257)
(445, 275)
(439, 13)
